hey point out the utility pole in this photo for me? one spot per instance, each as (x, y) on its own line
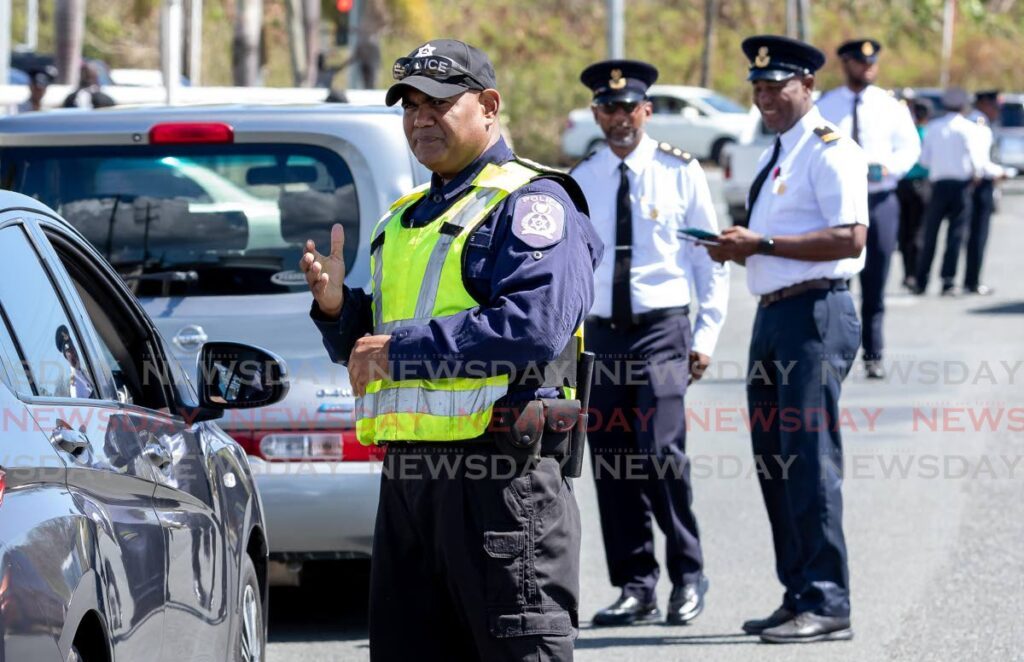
(948, 18)
(171, 24)
(355, 76)
(791, 18)
(803, 13)
(706, 61)
(616, 29)
(195, 42)
(69, 31)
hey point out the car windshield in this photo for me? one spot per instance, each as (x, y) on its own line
(723, 104)
(1012, 114)
(195, 220)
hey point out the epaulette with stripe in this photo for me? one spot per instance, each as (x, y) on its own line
(685, 157)
(827, 134)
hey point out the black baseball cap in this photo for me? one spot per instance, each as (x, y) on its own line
(442, 68)
(864, 50)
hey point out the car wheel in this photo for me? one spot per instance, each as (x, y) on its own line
(251, 641)
(716, 149)
(74, 655)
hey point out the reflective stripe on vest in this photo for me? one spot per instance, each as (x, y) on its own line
(416, 278)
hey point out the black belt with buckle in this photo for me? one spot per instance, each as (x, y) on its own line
(640, 319)
(806, 286)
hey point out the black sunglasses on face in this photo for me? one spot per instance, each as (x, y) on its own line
(611, 107)
(438, 67)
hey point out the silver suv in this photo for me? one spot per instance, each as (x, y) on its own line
(204, 212)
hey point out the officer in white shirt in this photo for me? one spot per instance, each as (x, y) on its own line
(884, 128)
(950, 153)
(808, 227)
(641, 194)
(985, 115)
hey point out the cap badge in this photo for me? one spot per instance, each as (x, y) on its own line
(762, 60)
(867, 49)
(426, 50)
(617, 82)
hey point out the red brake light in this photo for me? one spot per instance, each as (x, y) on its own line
(306, 446)
(180, 133)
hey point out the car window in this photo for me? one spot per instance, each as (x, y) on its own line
(1012, 114)
(49, 347)
(723, 104)
(11, 368)
(666, 105)
(196, 220)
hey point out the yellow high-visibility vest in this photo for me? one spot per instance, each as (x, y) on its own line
(416, 277)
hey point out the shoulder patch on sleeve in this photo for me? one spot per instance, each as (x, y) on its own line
(827, 134)
(538, 220)
(685, 157)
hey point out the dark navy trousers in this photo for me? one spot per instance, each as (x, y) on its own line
(883, 233)
(982, 206)
(800, 353)
(951, 198)
(637, 439)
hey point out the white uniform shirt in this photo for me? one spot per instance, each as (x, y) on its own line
(814, 185)
(948, 149)
(981, 145)
(885, 128)
(666, 194)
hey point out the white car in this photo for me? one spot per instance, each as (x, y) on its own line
(694, 119)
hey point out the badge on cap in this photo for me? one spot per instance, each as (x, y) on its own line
(762, 60)
(867, 49)
(617, 82)
(426, 50)
(538, 220)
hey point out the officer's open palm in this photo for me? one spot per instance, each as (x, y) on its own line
(325, 274)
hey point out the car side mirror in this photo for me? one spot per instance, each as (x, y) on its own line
(691, 113)
(239, 376)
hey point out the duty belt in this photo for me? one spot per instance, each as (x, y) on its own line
(806, 286)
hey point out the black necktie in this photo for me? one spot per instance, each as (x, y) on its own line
(622, 306)
(856, 124)
(755, 188)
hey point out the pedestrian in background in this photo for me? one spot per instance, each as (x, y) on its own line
(808, 227)
(984, 116)
(883, 127)
(913, 192)
(952, 160)
(89, 93)
(641, 194)
(38, 82)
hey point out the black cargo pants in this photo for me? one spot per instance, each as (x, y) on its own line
(474, 557)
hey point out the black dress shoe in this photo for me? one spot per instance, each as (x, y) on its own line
(980, 290)
(759, 625)
(686, 602)
(809, 627)
(874, 369)
(627, 610)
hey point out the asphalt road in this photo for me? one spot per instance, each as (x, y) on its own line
(934, 499)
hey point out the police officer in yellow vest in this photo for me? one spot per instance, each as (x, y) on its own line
(464, 357)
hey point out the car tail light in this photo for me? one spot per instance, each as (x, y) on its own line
(3, 485)
(182, 133)
(306, 446)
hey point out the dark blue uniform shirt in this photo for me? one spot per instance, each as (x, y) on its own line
(531, 300)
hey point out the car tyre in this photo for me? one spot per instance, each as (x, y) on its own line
(251, 642)
(717, 147)
(74, 655)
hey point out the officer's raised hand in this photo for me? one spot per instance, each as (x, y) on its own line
(735, 243)
(325, 274)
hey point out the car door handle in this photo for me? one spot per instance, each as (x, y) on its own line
(158, 455)
(69, 441)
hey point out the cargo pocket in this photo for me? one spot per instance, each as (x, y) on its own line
(506, 571)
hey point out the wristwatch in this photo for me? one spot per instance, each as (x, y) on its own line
(766, 246)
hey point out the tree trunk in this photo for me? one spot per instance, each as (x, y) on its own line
(707, 59)
(311, 28)
(245, 49)
(296, 40)
(803, 10)
(69, 30)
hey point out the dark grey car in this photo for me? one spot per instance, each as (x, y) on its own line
(130, 527)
